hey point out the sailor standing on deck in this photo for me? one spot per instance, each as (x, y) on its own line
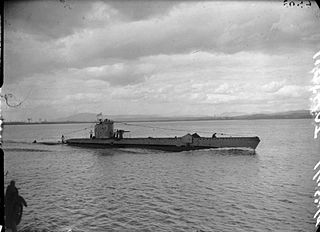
(91, 134)
(62, 139)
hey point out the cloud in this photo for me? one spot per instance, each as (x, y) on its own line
(186, 58)
(44, 19)
(186, 28)
(293, 91)
(105, 35)
(163, 83)
(50, 20)
(142, 9)
(115, 74)
(25, 56)
(273, 86)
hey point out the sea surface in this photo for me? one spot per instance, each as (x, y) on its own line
(79, 189)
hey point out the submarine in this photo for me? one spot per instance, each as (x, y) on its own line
(105, 136)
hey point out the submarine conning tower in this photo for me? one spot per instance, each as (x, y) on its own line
(104, 129)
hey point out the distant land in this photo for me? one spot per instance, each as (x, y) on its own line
(92, 117)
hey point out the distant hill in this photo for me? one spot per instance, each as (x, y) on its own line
(296, 114)
(92, 117)
(230, 114)
(82, 117)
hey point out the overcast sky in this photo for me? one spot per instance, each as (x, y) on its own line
(159, 57)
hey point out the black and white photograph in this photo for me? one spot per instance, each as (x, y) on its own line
(137, 115)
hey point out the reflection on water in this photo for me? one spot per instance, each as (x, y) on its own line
(79, 189)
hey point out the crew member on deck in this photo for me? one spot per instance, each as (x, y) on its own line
(62, 139)
(214, 135)
(91, 134)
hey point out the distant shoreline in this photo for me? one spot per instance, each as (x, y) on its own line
(155, 120)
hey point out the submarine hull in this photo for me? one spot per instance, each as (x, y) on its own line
(177, 144)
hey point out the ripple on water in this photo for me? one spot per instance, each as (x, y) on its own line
(142, 190)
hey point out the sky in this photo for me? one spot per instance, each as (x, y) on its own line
(169, 58)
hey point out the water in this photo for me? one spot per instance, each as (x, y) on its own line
(79, 189)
